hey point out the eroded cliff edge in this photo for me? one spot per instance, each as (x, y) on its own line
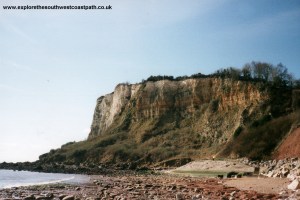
(212, 107)
(193, 116)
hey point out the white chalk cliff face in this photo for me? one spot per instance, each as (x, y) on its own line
(212, 107)
(111, 105)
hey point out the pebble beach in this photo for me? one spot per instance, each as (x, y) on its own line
(138, 187)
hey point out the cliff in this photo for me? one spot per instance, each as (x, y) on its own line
(170, 122)
(110, 106)
(188, 118)
(212, 107)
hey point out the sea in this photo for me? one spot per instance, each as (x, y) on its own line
(11, 178)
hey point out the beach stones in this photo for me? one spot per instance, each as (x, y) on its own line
(133, 186)
(39, 197)
(294, 185)
(70, 197)
(29, 197)
(179, 196)
(61, 196)
(92, 198)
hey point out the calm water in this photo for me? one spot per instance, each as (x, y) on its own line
(10, 178)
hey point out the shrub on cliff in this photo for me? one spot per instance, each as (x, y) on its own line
(258, 141)
(159, 78)
(276, 75)
(79, 155)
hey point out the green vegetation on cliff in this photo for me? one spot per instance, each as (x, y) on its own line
(167, 121)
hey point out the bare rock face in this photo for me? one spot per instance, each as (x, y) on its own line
(290, 146)
(109, 106)
(212, 108)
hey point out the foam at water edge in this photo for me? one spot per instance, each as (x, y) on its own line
(40, 183)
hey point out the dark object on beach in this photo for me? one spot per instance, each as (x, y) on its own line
(239, 176)
(231, 174)
(256, 171)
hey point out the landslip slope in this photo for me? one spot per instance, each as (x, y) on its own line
(290, 147)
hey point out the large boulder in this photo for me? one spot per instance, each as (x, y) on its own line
(294, 185)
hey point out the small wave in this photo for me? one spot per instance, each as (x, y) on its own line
(39, 183)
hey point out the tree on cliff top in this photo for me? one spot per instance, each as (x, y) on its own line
(276, 75)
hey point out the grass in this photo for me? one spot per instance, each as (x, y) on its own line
(255, 142)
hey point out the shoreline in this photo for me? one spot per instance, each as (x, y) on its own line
(111, 183)
(147, 186)
(22, 178)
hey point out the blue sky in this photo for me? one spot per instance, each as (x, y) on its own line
(54, 64)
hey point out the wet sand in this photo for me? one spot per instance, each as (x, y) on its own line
(259, 184)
